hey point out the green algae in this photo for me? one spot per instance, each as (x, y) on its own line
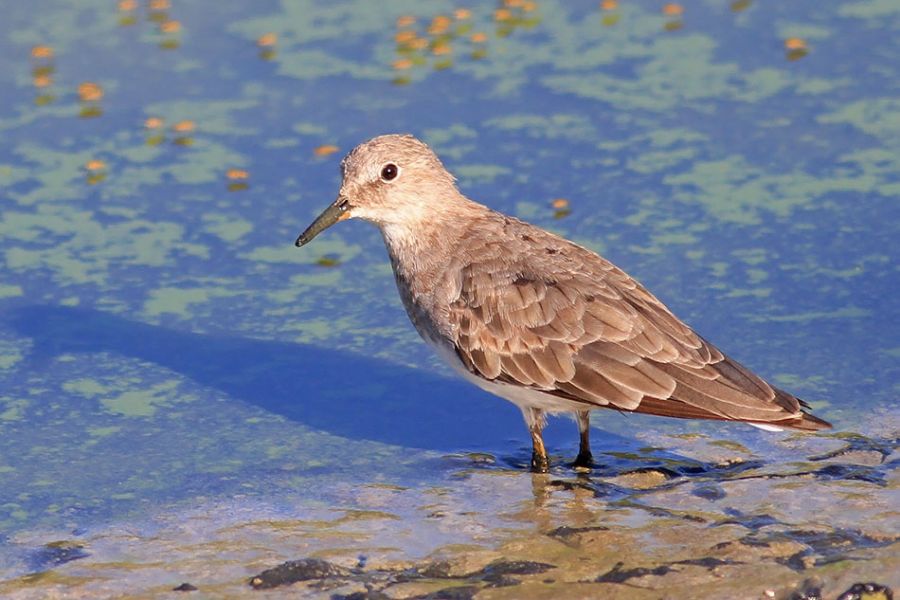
(849, 312)
(562, 125)
(13, 409)
(181, 301)
(879, 117)
(143, 403)
(10, 354)
(228, 228)
(88, 387)
(481, 173)
(869, 9)
(287, 253)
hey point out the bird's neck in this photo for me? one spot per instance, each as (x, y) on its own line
(421, 249)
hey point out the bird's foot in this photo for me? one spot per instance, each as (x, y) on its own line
(584, 460)
(539, 463)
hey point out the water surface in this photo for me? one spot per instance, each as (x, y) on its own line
(187, 397)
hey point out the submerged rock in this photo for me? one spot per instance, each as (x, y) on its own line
(619, 575)
(297, 570)
(462, 592)
(867, 591)
(56, 553)
(643, 479)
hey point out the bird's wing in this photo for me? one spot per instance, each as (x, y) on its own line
(565, 321)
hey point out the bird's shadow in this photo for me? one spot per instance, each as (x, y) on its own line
(344, 393)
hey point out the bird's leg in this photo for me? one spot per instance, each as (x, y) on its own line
(585, 458)
(534, 418)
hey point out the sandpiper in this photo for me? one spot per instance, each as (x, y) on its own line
(534, 318)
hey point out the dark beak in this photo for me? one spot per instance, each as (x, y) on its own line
(338, 211)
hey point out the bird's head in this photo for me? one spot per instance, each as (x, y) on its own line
(388, 180)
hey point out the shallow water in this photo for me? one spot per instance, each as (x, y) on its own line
(184, 396)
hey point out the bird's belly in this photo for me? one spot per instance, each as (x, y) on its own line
(521, 396)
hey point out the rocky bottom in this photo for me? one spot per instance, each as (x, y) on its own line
(704, 518)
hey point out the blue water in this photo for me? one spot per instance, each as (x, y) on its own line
(163, 342)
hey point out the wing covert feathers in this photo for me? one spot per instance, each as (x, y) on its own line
(564, 321)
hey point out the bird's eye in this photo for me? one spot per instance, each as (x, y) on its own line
(389, 172)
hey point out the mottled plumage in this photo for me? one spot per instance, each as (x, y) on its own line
(534, 318)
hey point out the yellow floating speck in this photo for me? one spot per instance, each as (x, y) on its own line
(404, 37)
(672, 9)
(439, 25)
(42, 52)
(441, 49)
(170, 26)
(90, 92)
(325, 150)
(184, 126)
(267, 40)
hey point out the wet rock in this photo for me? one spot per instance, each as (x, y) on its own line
(565, 532)
(362, 595)
(482, 458)
(619, 575)
(862, 450)
(868, 458)
(643, 479)
(811, 589)
(851, 472)
(658, 511)
(497, 581)
(800, 561)
(497, 574)
(465, 565)
(749, 550)
(436, 570)
(750, 521)
(463, 592)
(185, 587)
(709, 492)
(834, 544)
(56, 553)
(516, 567)
(867, 591)
(709, 562)
(297, 570)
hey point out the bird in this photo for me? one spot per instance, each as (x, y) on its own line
(534, 318)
